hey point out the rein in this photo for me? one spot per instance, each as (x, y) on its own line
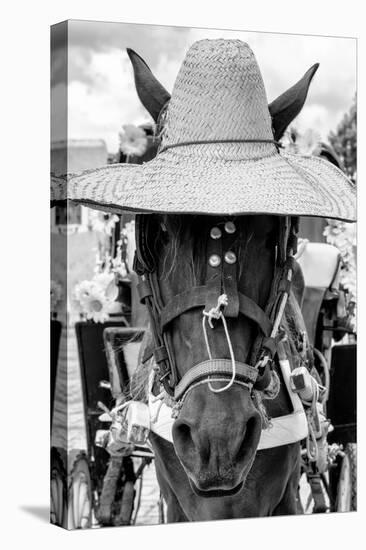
(220, 299)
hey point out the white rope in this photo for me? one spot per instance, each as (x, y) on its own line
(216, 313)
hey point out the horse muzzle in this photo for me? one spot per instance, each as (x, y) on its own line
(215, 438)
(216, 492)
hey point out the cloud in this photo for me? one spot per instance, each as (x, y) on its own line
(284, 58)
(102, 95)
(86, 38)
(99, 110)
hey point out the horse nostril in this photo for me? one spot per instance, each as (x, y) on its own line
(182, 433)
(252, 429)
(184, 441)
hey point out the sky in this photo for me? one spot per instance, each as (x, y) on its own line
(102, 95)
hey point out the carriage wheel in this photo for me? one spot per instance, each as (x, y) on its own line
(347, 484)
(58, 490)
(80, 495)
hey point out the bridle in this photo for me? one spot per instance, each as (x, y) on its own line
(221, 279)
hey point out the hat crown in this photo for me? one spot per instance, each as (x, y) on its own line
(219, 94)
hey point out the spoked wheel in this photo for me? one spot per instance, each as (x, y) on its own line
(80, 495)
(347, 486)
(58, 489)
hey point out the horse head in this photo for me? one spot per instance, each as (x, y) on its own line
(209, 343)
(210, 283)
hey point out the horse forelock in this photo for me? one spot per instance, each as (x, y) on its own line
(187, 236)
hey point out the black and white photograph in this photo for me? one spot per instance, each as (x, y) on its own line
(203, 274)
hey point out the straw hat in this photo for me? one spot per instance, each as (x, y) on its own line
(218, 154)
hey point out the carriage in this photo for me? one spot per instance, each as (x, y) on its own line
(93, 487)
(215, 459)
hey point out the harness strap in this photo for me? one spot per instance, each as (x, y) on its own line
(213, 274)
(160, 354)
(320, 505)
(144, 290)
(280, 289)
(253, 311)
(229, 277)
(144, 259)
(196, 297)
(223, 367)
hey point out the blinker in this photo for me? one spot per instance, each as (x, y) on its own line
(214, 260)
(215, 233)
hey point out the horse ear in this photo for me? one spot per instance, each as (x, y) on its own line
(287, 106)
(152, 94)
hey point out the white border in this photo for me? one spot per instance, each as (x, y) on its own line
(25, 268)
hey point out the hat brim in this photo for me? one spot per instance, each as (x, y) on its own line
(182, 182)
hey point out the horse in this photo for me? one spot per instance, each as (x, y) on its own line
(213, 468)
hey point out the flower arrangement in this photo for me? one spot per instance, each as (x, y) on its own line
(132, 140)
(96, 298)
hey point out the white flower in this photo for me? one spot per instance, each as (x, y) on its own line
(129, 234)
(91, 300)
(107, 284)
(110, 223)
(307, 144)
(98, 221)
(95, 297)
(102, 279)
(132, 140)
(119, 267)
(56, 294)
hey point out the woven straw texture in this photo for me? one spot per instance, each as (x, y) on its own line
(219, 95)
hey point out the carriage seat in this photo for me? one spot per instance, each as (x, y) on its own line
(320, 264)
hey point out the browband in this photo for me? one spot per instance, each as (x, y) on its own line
(196, 297)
